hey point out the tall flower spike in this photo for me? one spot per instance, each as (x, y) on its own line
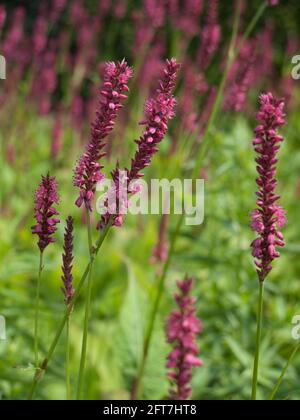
(269, 217)
(67, 257)
(158, 111)
(182, 329)
(88, 170)
(45, 197)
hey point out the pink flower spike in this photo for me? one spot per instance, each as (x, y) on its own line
(269, 217)
(46, 195)
(88, 170)
(67, 278)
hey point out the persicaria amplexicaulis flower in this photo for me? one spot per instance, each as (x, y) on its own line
(44, 211)
(67, 278)
(158, 111)
(182, 329)
(269, 217)
(88, 170)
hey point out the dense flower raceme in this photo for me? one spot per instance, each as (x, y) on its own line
(158, 110)
(182, 329)
(269, 217)
(44, 211)
(88, 170)
(67, 278)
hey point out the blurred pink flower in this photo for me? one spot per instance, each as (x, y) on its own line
(182, 329)
(210, 36)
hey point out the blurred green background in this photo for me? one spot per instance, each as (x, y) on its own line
(216, 254)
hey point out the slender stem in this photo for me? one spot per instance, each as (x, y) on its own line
(44, 365)
(161, 282)
(87, 313)
(68, 375)
(281, 377)
(258, 340)
(37, 312)
(89, 231)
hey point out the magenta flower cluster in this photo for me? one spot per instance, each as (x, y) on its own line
(88, 169)
(67, 278)
(269, 217)
(182, 329)
(44, 211)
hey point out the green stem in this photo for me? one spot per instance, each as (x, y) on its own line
(161, 282)
(68, 375)
(281, 377)
(258, 340)
(37, 312)
(44, 365)
(87, 313)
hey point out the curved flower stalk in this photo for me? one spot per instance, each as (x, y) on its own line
(182, 329)
(88, 169)
(158, 110)
(46, 197)
(268, 218)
